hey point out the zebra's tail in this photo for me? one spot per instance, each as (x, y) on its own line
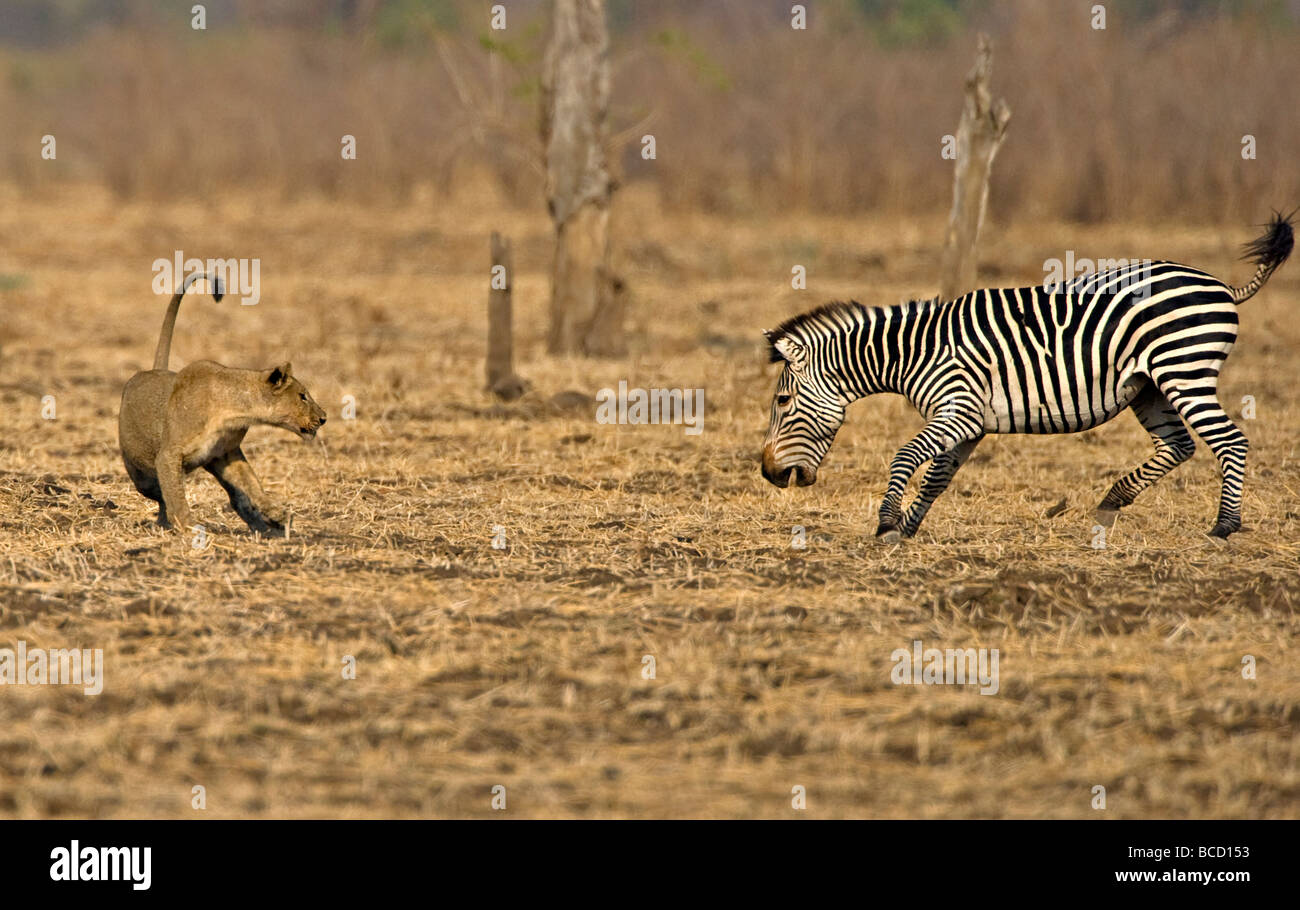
(1267, 252)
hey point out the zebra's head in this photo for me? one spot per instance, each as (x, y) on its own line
(807, 411)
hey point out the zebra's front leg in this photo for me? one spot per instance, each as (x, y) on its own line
(937, 478)
(938, 437)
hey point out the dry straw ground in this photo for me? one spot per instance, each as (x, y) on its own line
(476, 667)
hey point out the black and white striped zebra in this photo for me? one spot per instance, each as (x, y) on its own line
(1151, 337)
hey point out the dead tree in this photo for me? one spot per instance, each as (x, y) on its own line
(980, 133)
(501, 378)
(586, 307)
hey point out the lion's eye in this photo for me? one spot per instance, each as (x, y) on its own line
(302, 395)
(783, 400)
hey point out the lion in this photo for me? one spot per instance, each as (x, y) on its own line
(173, 423)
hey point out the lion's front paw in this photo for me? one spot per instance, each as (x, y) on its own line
(270, 520)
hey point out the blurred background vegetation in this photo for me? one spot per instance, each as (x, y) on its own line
(1142, 120)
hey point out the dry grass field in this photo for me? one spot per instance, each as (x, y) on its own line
(522, 667)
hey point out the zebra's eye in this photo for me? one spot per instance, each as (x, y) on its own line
(783, 400)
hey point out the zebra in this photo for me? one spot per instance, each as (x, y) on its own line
(1147, 336)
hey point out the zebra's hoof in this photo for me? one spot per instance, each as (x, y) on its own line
(891, 536)
(1106, 517)
(1220, 532)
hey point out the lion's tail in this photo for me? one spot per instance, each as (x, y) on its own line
(164, 352)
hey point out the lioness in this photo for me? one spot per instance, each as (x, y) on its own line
(171, 423)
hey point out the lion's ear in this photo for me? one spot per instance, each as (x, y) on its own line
(280, 375)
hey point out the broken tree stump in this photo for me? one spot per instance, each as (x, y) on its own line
(980, 132)
(501, 378)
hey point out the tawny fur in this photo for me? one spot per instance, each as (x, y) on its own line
(172, 423)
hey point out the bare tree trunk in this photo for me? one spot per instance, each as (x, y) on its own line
(980, 133)
(501, 378)
(586, 311)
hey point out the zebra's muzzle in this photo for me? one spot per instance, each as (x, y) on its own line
(780, 477)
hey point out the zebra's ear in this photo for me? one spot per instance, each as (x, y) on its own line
(792, 352)
(771, 335)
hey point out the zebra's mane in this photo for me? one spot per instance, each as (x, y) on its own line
(823, 317)
(829, 317)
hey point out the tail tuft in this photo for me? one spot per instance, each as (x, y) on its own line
(163, 353)
(1267, 252)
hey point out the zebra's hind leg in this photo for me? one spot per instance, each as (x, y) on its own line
(1173, 443)
(937, 478)
(1197, 402)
